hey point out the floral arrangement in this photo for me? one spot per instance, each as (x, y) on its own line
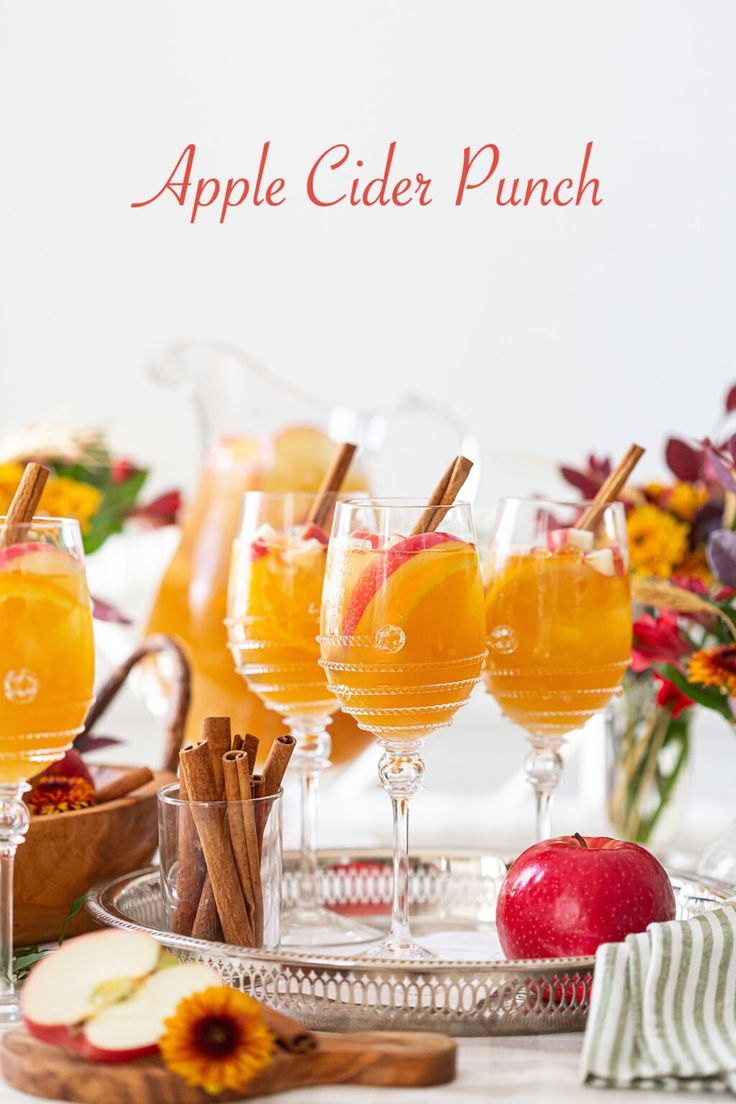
(87, 482)
(682, 553)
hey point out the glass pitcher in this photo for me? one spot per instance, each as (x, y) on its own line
(259, 432)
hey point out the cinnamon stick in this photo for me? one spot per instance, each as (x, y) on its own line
(238, 743)
(207, 921)
(186, 889)
(279, 754)
(610, 489)
(216, 735)
(236, 826)
(250, 746)
(290, 1035)
(443, 495)
(200, 783)
(253, 844)
(25, 500)
(124, 784)
(331, 484)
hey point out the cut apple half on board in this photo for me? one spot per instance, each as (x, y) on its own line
(106, 995)
(381, 567)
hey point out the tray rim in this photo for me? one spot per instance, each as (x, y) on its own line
(101, 906)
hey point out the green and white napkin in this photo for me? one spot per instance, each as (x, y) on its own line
(663, 1007)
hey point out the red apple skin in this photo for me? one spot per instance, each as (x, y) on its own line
(315, 532)
(55, 1034)
(564, 898)
(13, 551)
(379, 570)
(79, 1043)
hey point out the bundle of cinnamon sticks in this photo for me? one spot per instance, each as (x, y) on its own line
(222, 898)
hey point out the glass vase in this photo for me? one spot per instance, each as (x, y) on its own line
(647, 763)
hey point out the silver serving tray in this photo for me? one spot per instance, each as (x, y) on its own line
(333, 992)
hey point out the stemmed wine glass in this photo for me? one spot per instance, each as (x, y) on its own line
(402, 643)
(46, 685)
(558, 625)
(274, 596)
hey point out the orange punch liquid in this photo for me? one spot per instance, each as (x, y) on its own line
(275, 595)
(403, 638)
(46, 656)
(558, 630)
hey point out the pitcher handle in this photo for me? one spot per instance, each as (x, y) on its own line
(468, 443)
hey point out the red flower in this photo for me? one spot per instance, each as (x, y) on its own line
(671, 697)
(657, 640)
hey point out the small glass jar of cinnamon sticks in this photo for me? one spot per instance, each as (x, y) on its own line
(220, 840)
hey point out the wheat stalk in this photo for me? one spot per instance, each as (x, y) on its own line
(651, 592)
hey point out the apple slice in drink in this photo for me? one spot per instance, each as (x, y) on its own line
(382, 566)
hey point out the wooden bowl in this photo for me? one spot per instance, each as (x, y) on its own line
(65, 854)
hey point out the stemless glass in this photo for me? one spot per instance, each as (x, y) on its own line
(274, 596)
(402, 643)
(558, 625)
(46, 685)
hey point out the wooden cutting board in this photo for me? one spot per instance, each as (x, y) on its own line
(387, 1058)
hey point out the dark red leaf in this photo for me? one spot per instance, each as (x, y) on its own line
(683, 460)
(580, 481)
(105, 611)
(163, 510)
(731, 399)
(86, 742)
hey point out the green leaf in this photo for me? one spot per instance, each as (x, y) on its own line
(709, 696)
(74, 908)
(23, 962)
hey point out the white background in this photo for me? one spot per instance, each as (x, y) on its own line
(553, 330)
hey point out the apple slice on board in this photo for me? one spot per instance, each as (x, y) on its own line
(105, 995)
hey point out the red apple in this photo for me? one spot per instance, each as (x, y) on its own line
(566, 896)
(380, 568)
(106, 995)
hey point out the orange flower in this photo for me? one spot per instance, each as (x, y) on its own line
(60, 794)
(217, 1039)
(657, 541)
(714, 667)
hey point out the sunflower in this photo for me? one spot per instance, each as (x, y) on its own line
(217, 1039)
(657, 541)
(685, 499)
(714, 667)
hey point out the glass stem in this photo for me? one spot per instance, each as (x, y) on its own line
(14, 821)
(543, 767)
(401, 770)
(311, 757)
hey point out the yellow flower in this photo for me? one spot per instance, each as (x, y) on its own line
(64, 497)
(714, 667)
(217, 1039)
(686, 499)
(657, 541)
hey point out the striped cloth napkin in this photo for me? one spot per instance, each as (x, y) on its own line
(663, 1007)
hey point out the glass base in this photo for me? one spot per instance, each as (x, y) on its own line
(411, 951)
(318, 927)
(10, 1013)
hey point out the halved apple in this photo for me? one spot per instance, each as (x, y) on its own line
(105, 995)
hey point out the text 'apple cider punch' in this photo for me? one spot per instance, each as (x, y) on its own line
(558, 619)
(402, 641)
